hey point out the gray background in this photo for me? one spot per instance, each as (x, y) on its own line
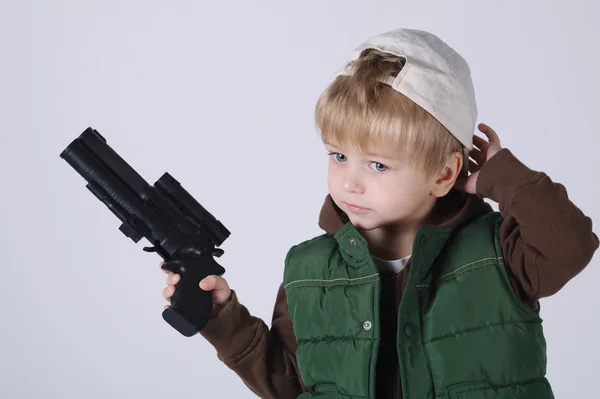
(221, 95)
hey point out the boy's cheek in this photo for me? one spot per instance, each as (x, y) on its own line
(333, 182)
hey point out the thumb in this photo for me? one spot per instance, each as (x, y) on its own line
(219, 287)
(213, 282)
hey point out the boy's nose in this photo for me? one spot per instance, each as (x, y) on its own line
(352, 184)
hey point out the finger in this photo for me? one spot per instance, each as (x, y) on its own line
(208, 283)
(477, 155)
(480, 142)
(489, 132)
(173, 279)
(168, 291)
(164, 270)
(213, 282)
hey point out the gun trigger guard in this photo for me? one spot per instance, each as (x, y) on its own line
(149, 249)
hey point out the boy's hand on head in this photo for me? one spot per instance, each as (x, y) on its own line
(482, 151)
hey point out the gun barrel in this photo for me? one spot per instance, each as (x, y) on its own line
(122, 191)
(99, 177)
(96, 144)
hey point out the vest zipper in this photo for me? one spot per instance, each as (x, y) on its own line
(397, 379)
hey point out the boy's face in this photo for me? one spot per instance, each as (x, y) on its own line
(389, 191)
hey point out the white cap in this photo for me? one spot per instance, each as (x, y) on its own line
(435, 77)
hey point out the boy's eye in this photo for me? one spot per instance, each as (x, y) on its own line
(338, 157)
(378, 165)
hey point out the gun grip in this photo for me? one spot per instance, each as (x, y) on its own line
(178, 321)
(191, 306)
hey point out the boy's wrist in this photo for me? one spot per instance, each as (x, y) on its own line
(501, 175)
(232, 329)
(221, 325)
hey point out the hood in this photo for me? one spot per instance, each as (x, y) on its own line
(451, 210)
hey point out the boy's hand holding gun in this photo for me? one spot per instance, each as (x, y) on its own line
(217, 284)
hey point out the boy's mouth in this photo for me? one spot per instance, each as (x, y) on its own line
(355, 208)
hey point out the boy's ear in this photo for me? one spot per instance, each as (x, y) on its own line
(446, 179)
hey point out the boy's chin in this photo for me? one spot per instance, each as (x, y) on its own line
(364, 223)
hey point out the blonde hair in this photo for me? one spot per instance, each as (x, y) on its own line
(370, 115)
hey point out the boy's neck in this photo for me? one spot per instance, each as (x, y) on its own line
(396, 242)
(390, 246)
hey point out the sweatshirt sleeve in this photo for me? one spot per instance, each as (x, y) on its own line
(546, 239)
(263, 358)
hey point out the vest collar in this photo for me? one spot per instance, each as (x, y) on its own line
(452, 210)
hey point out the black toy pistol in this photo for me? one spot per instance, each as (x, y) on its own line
(181, 231)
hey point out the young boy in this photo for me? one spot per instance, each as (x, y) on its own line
(417, 288)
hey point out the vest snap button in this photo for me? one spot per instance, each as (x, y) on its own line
(367, 325)
(408, 329)
(352, 241)
(423, 240)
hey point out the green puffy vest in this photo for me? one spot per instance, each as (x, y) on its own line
(462, 331)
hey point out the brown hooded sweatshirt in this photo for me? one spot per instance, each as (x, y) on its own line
(546, 241)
